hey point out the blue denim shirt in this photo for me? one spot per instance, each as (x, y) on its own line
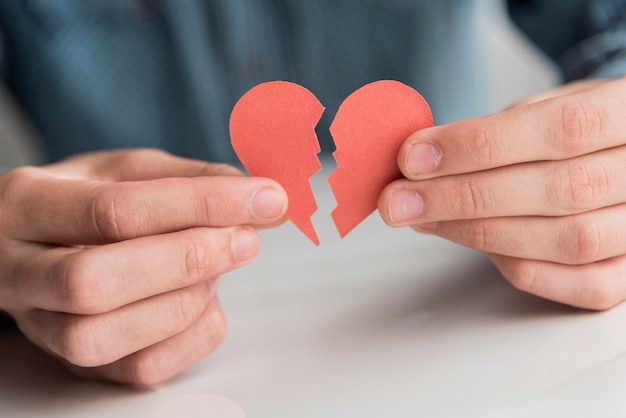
(97, 74)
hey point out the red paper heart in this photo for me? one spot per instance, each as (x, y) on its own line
(368, 130)
(272, 130)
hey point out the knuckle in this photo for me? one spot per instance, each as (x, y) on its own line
(602, 296)
(523, 275)
(12, 185)
(145, 368)
(145, 161)
(143, 157)
(580, 128)
(217, 327)
(220, 326)
(583, 241)
(78, 287)
(598, 289)
(214, 212)
(77, 342)
(470, 198)
(198, 261)
(580, 185)
(213, 325)
(148, 155)
(480, 235)
(13, 180)
(114, 215)
(185, 308)
(20, 174)
(142, 369)
(481, 145)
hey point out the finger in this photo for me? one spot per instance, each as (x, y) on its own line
(553, 129)
(137, 165)
(563, 90)
(596, 286)
(577, 239)
(95, 340)
(540, 189)
(166, 359)
(38, 207)
(101, 279)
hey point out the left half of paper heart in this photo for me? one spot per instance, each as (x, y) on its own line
(272, 130)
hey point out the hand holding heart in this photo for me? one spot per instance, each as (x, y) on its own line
(540, 188)
(109, 261)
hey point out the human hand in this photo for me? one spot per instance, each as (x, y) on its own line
(540, 188)
(110, 261)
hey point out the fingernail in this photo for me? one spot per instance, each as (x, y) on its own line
(405, 205)
(244, 244)
(423, 158)
(266, 203)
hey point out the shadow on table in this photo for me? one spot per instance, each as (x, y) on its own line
(478, 291)
(473, 294)
(29, 375)
(32, 384)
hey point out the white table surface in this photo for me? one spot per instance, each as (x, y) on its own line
(384, 323)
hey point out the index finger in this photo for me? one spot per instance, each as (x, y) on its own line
(137, 164)
(552, 129)
(39, 207)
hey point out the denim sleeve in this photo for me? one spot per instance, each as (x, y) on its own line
(585, 38)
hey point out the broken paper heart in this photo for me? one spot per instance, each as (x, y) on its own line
(272, 129)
